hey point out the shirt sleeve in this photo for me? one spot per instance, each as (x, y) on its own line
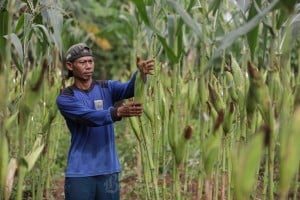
(74, 110)
(122, 90)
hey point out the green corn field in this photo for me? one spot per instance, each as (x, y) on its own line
(221, 113)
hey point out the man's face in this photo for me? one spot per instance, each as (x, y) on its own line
(82, 68)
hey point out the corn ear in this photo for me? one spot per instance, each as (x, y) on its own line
(172, 130)
(241, 98)
(211, 150)
(215, 98)
(162, 104)
(180, 148)
(231, 86)
(289, 154)
(238, 76)
(212, 111)
(228, 119)
(251, 103)
(139, 88)
(203, 91)
(259, 92)
(193, 93)
(149, 112)
(245, 163)
(275, 86)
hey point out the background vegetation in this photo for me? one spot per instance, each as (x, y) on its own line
(221, 112)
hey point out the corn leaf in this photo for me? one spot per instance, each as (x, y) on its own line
(140, 5)
(252, 35)
(170, 53)
(56, 21)
(3, 30)
(192, 24)
(242, 30)
(34, 154)
(17, 44)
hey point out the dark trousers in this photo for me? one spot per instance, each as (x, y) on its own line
(102, 187)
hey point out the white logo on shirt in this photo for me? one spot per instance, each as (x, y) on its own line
(98, 104)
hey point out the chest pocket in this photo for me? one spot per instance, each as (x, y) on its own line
(98, 104)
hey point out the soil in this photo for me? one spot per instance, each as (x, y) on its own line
(58, 190)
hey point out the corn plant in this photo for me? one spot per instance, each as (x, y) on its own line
(250, 95)
(29, 70)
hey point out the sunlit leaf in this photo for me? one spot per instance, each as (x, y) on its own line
(237, 33)
(192, 24)
(140, 4)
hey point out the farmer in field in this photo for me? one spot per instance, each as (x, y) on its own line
(89, 111)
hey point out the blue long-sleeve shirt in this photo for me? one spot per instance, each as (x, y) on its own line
(90, 116)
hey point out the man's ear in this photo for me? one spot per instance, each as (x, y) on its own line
(69, 65)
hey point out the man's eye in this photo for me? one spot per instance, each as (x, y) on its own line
(82, 62)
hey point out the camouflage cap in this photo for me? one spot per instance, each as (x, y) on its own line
(77, 51)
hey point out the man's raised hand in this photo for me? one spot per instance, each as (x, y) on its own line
(145, 66)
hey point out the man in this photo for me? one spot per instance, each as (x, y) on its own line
(88, 108)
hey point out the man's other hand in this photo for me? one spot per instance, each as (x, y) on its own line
(131, 109)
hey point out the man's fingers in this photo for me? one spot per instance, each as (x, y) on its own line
(131, 109)
(151, 60)
(138, 59)
(146, 66)
(136, 108)
(134, 103)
